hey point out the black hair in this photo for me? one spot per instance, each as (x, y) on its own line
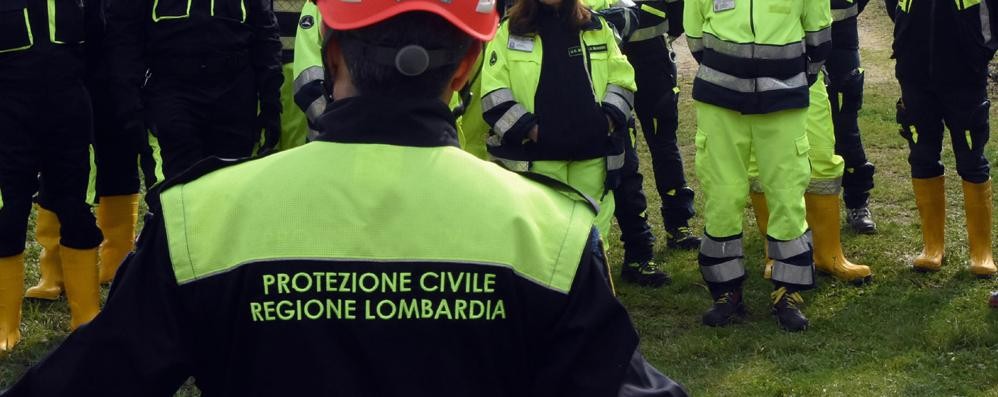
(423, 29)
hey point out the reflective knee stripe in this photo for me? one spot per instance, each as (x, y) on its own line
(496, 98)
(814, 39)
(739, 84)
(783, 250)
(724, 271)
(620, 98)
(985, 22)
(509, 119)
(792, 274)
(615, 162)
(650, 32)
(92, 182)
(310, 74)
(695, 43)
(825, 186)
(839, 14)
(157, 158)
(721, 249)
(316, 108)
(753, 51)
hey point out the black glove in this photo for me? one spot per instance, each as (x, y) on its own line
(269, 122)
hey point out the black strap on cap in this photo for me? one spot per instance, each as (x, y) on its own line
(411, 60)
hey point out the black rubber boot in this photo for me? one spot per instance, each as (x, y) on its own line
(785, 308)
(728, 308)
(645, 274)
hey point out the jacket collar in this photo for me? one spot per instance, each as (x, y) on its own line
(391, 121)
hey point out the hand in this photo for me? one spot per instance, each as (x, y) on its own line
(533, 134)
(271, 128)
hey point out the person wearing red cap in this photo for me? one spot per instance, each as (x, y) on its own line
(344, 268)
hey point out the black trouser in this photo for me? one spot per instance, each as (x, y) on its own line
(631, 209)
(116, 150)
(656, 104)
(193, 117)
(46, 130)
(845, 90)
(924, 109)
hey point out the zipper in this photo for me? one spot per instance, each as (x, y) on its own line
(751, 10)
(589, 70)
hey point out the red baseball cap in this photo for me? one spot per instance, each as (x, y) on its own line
(477, 18)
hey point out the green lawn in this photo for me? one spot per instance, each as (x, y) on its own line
(905, 334)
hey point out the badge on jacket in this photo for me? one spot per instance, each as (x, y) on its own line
(521, 43)
(723, 5)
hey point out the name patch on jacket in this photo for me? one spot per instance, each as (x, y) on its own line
(575, 51)
(723, 5)
(379, 295)
(596, 48)
(521, 43)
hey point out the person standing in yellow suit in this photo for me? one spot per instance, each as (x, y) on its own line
(822, 195)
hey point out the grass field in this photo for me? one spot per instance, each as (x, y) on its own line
(905, 334)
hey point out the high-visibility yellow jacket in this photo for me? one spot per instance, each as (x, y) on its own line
(511, 74)
(757, 56)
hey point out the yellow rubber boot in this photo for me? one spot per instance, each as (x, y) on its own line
(761, 210)
(823, 217)
(11, 295)
(82, 289)
(978, 204)
(47, 234)
(930, 197)
(116, 217)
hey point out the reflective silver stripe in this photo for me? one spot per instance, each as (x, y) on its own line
(624, 93)
(508, 119)
(287, 43)
(985, 22)
(839, 14)
(724, 271)
(721, 249)
(814, 39)
(787, 273)
(316, 108)
(650, 32)
(312, 73)
(739, 84)
(695, 44)
(783, 250)
(619, 98)
(496, 98)
(615, 162)
(814, 68)
(754, 51)
(825, 186)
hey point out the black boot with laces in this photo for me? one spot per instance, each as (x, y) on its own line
(728, 307)
(644, 273)
(786, 309)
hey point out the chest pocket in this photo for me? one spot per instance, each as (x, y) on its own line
(15, 30)
(179, 9)
(525, 71)
(67, 21)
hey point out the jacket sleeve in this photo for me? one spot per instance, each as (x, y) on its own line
(674, 9)
(136, 345)
(590, 346)
(126, 63)
(265, 56)
(817, 22)
(618, 100)
(693, 25)
(309, 72)
(509, 119)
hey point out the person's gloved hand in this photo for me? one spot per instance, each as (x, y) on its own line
(269, 122)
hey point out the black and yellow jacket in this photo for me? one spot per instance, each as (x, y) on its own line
(396, 265)
(943, 42)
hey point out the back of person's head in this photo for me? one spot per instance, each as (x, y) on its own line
(524, 13)
(409, 48)
(423, 29)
